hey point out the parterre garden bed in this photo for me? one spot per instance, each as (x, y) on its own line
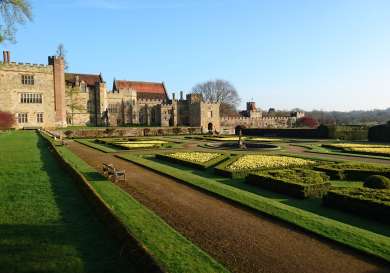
(372, 203)
(241, 166)
(301, 183)
(201, 160)
(365, 149)
(130, 144)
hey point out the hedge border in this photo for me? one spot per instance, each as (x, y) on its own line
(365, 207)
(288, 187)
(205, 165)
(350, 174)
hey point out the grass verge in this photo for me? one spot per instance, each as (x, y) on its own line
(358, 238)
(101, 147)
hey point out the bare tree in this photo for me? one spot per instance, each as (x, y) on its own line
(72, 101)
(219, 91)
(61, 52)
(13, 12)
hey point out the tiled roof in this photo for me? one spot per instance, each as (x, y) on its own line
(149, 90)
(89, 79)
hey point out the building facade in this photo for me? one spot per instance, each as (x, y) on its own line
(255, 118)
(34, 93)
(44, 96)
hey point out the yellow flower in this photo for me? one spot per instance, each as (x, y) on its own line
(256, 162)
(198, 157)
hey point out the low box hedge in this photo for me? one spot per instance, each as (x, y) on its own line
(300, 183)
(197, 165)
(366, 202)
(221, 169)
(348, 171)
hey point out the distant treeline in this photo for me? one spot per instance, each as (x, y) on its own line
(371, 117)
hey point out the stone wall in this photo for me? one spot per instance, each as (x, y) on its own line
(127, 132)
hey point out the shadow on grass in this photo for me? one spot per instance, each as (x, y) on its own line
(78, 228)
(311, 205)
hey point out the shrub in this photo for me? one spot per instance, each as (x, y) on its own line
(7, 120)
(146, 131)
(68, 133)
(109, 131)
(160, 132)
(371, 203)
(377, 182)
(301, 183)
(177, 130)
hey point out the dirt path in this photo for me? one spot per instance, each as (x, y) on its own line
(303, 151)
(242, 241)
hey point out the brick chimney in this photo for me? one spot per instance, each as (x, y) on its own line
(6, 57)
(181, 95)
(59, 89)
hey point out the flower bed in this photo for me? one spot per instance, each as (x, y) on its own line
(243, 165)
(383, 151)
(366, 202)
(200, 160)
(135, 143)
(300, 183)
(367, 149)
(353, 171)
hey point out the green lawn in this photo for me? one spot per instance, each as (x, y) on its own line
(98, 146)
(45, 223)
(362, 234)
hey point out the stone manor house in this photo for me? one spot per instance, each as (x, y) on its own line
(45, 96)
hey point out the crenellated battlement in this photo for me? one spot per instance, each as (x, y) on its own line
(26, 67)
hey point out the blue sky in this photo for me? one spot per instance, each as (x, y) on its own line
(331, 54)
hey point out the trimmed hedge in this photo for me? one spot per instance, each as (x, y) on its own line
(345, 171)
(365, 202)
(221, 169)
(197, 165)
(300, 183)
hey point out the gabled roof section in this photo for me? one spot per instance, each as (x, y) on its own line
(145, 90)
(89, 79)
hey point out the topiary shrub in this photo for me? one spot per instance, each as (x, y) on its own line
(68, 133)
(377, 182)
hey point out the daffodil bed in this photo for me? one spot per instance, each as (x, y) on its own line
(134, 143)
(368, 149)
(300, 183)
(241, 166)
(371, 203)
(200, 160)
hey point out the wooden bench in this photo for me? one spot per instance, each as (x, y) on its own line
(110, 171)
(119, 175)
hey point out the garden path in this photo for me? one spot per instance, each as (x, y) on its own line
(239, 239)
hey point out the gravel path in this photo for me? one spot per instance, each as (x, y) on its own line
(242, 241)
